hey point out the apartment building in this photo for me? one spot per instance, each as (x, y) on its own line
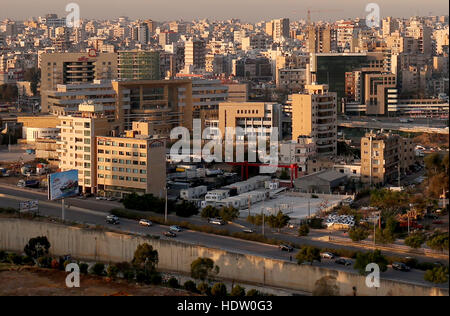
(298, 152)
(206, 97)
(383, 156)
(314, 114)
(75, 68)
(278, 29)
(77, 146)
(237, 92)
(134, 163)
(254, 118)
(321, 39)
(195, 54)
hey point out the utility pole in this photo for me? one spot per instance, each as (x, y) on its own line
(165, 208)
(399, 175)
(263, 230)
(63, 211)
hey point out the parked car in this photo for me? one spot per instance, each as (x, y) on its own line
(112, 219)
(145, 222)
(286, 248)
(344, 262)
(176, 228)
(400, 267)
(248, 231)
(170, 234)
(327, 255)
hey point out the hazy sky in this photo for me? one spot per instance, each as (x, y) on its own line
(246, 10)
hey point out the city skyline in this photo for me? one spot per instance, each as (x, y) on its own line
(201, 9)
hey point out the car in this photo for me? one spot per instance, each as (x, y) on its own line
(145, 222)
(112, 219)
(286, 248)
(111, 199)
(344, 262)
(216, 221)
(327, 255)
(248, 231)
(176, 228)
(170, 234)
(399, 266)
(100, 198)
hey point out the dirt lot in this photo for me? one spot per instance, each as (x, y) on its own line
(30, 281)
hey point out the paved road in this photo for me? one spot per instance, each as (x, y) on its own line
(95, 214)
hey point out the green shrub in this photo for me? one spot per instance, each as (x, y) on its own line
(112, 271)
(219, 290)
(190, 286)
(84, 267)
(28, 261)
(37, 247)
(98, 269)
(129, 275)
(2, 256)
(173, 283)
(238, 291)
(155, 278)
(45, 262)
(14, 258)
(253, 293)
(358, 234)
(204, 288)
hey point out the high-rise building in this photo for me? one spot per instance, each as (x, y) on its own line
(138, 65)
(195, 54)
(280, 29)
(383, 156)
(314, 114)
(321, 39)
(77, 147)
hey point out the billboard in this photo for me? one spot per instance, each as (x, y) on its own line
(63, 185)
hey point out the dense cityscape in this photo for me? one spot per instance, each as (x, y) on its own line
(224, 158)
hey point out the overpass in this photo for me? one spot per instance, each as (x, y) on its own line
(402, 127)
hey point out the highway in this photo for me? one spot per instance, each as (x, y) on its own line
(94, 212)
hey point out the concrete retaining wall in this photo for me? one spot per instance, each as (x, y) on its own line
(175, 256)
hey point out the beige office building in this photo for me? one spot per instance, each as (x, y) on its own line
(134, 163)
(314, 114)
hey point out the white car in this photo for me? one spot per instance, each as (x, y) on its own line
(175, 228)
(145, 222)
(327, 255)
(216, 221)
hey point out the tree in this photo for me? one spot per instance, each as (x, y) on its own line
(284, 175)
(358, 234)
(384, 237)
(229, 213)
(186, 209)
(363, 259)
(415, 240)
(438, 241)
(145, 257)
(237, 291)
(433, 164)
(437, 275)
(303, 230)
(254, 293)
(37, 247)
(279, 221)
(32, 75)
(173, 283)
(203, 268)
(219, 290)
(210, 212)
(255, 219)
(308, 254)
(390, 202)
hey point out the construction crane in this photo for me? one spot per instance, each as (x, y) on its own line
(319, 11)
